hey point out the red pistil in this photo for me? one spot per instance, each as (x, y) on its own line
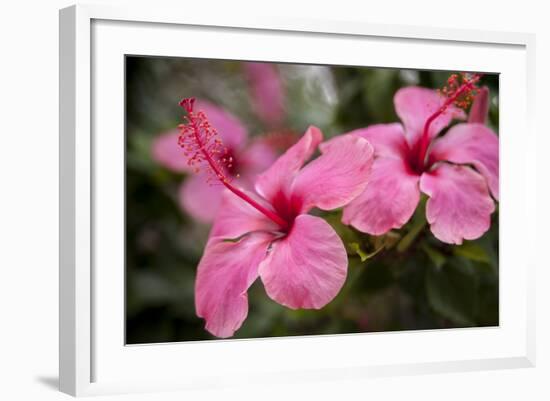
(460, 91)
(201, 145)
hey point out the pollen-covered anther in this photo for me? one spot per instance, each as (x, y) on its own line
(461, 89)
(201, 144)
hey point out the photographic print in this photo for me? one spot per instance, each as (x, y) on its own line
(278, 199)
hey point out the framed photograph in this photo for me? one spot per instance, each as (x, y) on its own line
(276, 200)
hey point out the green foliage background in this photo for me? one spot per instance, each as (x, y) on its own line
(405, 280)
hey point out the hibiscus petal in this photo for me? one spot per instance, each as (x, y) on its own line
(473, 144)
(389, 200)
(278, 177)
(236, 217)
(388, 140)
(460, 206)
(307, 268)
(480, 108)
(225, 272)
(414, 105)
(166, 151)
(230, 129)
(256, 158)
(199, 198)
(336, 177)
(266, 89)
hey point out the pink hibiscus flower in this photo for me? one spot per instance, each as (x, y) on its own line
(458, 171)
(196, 196)
(266, 89)
(268, 232)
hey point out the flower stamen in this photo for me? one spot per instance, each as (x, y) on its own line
(203, 148)
(459, 91)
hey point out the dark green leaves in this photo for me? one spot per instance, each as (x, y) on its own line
(452, 291)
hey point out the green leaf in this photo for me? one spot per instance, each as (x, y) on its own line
(472, 251)
(415, 226)
(379, 86)
(452, 291)
(375, 276)
(437, 258)
(346, 233)
(408, 239)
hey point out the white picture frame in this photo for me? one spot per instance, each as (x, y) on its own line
(93, 356)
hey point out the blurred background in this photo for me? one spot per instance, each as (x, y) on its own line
(404, 280)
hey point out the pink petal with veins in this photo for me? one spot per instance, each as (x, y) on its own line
(480, 108)
(236, 217)
(388, 140)
(473, 144)
(225, 272)
(336, 177)
(307, 268)
(389, 200)
(460, 206)
(279, 176)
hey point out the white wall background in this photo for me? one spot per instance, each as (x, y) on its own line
(29, 200)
